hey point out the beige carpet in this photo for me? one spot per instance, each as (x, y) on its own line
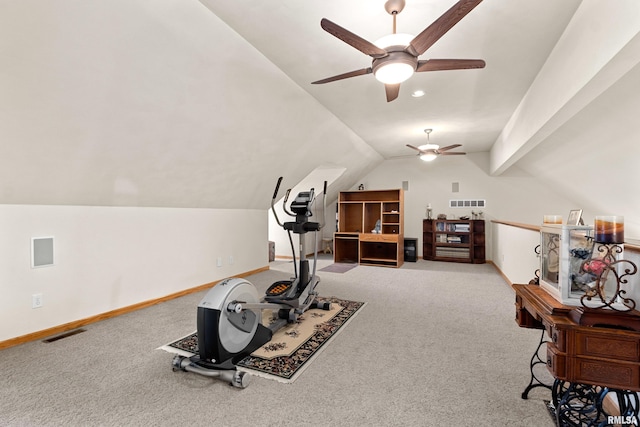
(436, 346)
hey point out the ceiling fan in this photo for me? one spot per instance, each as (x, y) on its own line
(430, 151)
(395, 56)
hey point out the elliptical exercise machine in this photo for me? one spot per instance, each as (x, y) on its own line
(230, 315)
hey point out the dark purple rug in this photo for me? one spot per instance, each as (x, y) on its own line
(338, 267)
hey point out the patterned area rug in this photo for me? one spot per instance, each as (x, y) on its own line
(552, 411)
(293, 347)
(339, 267)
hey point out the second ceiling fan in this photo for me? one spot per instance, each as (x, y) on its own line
(395, 56)
(429, 151)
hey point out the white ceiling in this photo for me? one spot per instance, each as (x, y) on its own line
(468, 107)
(187, 103)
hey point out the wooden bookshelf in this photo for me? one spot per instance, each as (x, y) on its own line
(453, 240)
(358, 213)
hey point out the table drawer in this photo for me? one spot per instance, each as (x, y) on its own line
(624, 376)
(558, 337)
(370, 237)
(556, 362)
(605, 345)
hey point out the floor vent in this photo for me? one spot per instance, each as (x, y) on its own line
(65, 335)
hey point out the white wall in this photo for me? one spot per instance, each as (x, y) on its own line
(514, 252)
(107, 258)
(515, 196)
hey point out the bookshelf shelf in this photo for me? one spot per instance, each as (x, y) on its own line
(358, 213)
(453, 240)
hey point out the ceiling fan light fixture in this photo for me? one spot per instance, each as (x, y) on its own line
(398, 66)
(394, 72)
(427, 157)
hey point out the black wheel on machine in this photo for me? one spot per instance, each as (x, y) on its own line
(283, 313)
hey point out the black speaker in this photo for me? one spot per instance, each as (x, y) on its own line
(410, 249)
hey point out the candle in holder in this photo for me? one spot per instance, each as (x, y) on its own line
(552, 219)
(608, 229)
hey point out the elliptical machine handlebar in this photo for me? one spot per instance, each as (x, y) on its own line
(275, 193)
(324, 205)
(273, 201)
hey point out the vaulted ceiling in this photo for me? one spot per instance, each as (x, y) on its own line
(468, 107)
(187, 103)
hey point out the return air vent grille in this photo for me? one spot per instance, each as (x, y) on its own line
(65, 335)
(472, 203)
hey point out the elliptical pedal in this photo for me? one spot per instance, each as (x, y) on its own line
(279, 288)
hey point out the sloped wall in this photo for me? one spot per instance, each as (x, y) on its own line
(155, 104)
(576, 129)
(594, 157)
(107, 258)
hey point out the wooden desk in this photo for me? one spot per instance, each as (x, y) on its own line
(606, 353)
(597, 351)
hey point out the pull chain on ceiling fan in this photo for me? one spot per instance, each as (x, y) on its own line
(395, 56)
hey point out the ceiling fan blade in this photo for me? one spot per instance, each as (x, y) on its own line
(440, 26)
(392, 91)
(449, 64)
(344, 76)
(449, 147)
(352, 39)
(451, 153)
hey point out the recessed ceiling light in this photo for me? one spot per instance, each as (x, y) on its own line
(418, 93)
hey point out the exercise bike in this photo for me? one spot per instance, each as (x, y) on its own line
(229, 318)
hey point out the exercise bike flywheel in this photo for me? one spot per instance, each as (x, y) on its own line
(235, 329)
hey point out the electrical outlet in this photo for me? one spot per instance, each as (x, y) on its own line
(36, 300)
(219, 261)
(230, 259)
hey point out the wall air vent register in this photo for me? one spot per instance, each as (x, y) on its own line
(467, 203)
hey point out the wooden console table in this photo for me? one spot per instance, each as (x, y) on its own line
(588, 352)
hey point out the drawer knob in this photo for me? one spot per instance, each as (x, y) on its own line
(549, 363)
(555, 338)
